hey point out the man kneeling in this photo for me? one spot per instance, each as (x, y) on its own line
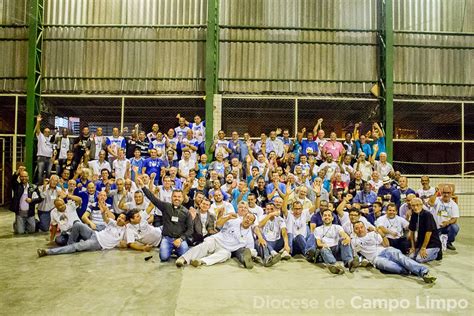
(110, 237)
(377, 250)
(236, 233)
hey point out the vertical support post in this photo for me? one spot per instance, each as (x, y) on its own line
(15, 137)
(462, 139)
(385, 52)
(122, 114)
(33, 85)
(296, 117)
(212, 45)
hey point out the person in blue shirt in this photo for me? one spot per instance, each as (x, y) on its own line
(275, 188)
(308, 143)
(153, 165)
(241, 193)
(235, 144)
(366, 197)
(389, 192)
(379, 139)
(136, 164)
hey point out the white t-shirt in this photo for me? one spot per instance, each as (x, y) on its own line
(383, 168)
(45, 147)
(111, 236)
(444, 211)
(65, 219)
(349, 228)
(120, 167)
(199, 131)
(272, 229)
(99, 142)
(298, 226)
(116, 197)
(332, 167)
(365, 168)
(375, 185)
(228, 208)
(233, 236)
(221, 148)
(426, 194)
(330, 235)
(181, 132)
(370, 246)
(396, 225)
(258, 212)
(64, 146)
(97, 166)
(185, 166)
(143, 232)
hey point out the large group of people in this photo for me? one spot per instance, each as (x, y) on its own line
(258, 201)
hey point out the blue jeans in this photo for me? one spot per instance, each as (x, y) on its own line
(432, 254)
(24, 225)
(44, 166)
(44, 220)
(310, 243)
(62, 239)
(167, 247)
(392, 260)
(90, 244)
(340, 251)
(451, 230)
(297, 244)
(79, 231)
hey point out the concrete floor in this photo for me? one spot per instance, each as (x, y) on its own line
(121, 282)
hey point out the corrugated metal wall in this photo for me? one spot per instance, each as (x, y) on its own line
(159, 49)
(434, 64)
(149, 55)
(249, 57)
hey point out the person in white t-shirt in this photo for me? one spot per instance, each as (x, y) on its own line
(297, 225)
(376, 249)
(236, 233)
(121, 165)
(98, 165)
(446, 213)
(45, 153)
(64, 216)
(355, 216)
(394, 227)
(426, 191)
(254, 208)
(140, 234)
(186, 164)
(110, 237)
(220, 207)
(333, 243)
(273, 228)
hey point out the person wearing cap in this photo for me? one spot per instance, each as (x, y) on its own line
(446, 214)
(389, 192)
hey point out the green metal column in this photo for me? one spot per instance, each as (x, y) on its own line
(212, 46)
(33, 85)
(386, 71)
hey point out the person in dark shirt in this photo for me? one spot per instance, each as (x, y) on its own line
(260, 192)
(423, 236)
(143, 143)
(177, 223)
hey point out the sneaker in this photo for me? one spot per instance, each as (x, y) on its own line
(365, 263)
(41, 253)
(272, 260)
(196, 263)
(310, 256)
(285, 255)
(353, 265)
(334, 269)
(450, 246)
(180, 262)
(428, 278)
(258, 260)
(248, 263)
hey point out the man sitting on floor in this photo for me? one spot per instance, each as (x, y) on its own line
(377, 250)
(235, 234)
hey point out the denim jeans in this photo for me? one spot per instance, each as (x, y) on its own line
(44, 220)
(62, 239)
(167, 247)
(310, 243)
(340, 251)
(392, 260)
(90, 244)
(297, 244)
(276, 245)
(44, 168)
(24, 225)
(451, 230)
(79, 231)
(432, 254)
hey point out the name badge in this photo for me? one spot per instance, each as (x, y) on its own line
(174, 219)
